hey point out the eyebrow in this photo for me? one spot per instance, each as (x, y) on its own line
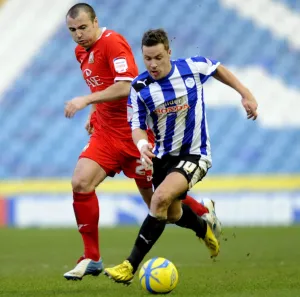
(78, 27)
(154, 56)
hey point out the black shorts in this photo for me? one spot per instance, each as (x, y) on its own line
(187, 165)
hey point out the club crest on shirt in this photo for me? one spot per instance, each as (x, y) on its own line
(91, 58)
(189, 82)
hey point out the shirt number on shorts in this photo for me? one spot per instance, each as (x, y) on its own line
(140, 169)
(187, 166)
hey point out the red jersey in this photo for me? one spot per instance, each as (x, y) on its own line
(110, 59)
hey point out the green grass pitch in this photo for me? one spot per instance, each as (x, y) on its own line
(254, 262)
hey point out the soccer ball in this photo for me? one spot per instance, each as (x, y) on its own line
(158, 276)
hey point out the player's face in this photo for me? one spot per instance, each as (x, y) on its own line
(157, 60)
(84, 31)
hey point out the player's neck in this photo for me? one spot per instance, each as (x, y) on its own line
(168, 70)
(99, 33)
(97, 37)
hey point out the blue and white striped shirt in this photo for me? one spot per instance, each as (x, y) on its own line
(173, 107)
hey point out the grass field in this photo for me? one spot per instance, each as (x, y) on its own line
(260, 262)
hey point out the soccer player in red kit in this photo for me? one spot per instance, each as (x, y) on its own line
(108, 67)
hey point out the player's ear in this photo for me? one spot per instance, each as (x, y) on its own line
(170, 52)
(96, 21)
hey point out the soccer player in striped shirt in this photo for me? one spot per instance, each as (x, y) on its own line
(168, 97)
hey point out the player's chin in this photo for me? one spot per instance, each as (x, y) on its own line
(83, 43)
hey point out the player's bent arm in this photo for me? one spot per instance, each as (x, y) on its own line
(139, 136)
(225, 76)
(114, 92)
(140, 139)
(248, 101)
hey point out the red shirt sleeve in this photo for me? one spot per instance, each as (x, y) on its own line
(120, 57)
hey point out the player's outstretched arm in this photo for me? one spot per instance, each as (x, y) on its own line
(114, 92)
(249, 103)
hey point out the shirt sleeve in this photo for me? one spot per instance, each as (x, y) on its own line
(121, 59)
(136, 111)
(206, 67)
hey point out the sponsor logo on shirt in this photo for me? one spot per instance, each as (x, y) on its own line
(172, 106)
(92, 81)
(87, 72)
(120, 64)
(172, 109)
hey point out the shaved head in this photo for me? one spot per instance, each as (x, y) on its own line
(75, 10)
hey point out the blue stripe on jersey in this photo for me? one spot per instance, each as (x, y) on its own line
(150, 104)
(204, 77)
(203, 148)
(169, 94)
(142, 114)
(183, 69)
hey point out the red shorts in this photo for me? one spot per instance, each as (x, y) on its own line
(115, 155)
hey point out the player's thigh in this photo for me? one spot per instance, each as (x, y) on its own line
(192, 167)
(102, 150)
(87, 175)
(172, 188)
(97, 160)
(173, 177)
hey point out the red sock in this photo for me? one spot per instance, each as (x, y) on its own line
(197, 207)
(86, 208)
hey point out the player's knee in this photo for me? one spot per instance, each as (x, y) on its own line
(81, 184)
(160, 201)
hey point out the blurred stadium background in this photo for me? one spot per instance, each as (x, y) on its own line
(255, 178)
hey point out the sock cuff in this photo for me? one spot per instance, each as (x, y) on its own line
(84, 196)
(150, 214)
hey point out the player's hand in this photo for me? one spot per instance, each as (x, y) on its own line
(250, 105)
(74, 105)
(147, 155)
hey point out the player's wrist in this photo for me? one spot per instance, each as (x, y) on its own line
(141, 143)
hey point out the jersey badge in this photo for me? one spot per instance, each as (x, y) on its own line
(189, 82)
(120, 64)
(91, 58)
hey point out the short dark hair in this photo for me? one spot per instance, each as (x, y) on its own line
(77, 8)
(155, 36)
